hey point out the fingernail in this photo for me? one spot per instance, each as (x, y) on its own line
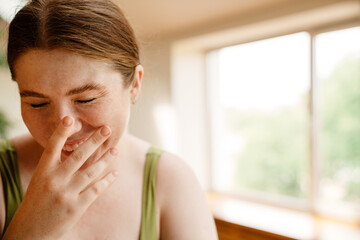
(114, 151)
(105, 131)
(67, 121)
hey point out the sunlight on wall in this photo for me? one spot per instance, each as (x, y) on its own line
(10, 103)
(167, 126)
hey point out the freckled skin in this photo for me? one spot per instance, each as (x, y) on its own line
(53, 74)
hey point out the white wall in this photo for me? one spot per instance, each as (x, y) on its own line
(10, 103)
(155, 92)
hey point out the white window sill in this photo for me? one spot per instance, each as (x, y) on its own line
(284, 222)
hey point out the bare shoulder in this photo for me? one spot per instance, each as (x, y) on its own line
(175, 179)
(28, 151)
(183, 208)
(171, 169)
(25, 142)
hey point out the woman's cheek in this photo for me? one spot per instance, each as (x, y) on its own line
(38, 125)
(95, 115)
(114, 115)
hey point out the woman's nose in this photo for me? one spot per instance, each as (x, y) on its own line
(77, 125)
(64, 111)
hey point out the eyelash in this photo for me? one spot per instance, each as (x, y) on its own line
(38, 105)
(77, 101)
(85, 101)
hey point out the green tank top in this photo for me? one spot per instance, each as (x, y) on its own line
(13, 190)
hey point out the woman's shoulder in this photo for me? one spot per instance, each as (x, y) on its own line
(174, 175)
(22, 141)
(26, 148)
(170, 168)
(181, 201)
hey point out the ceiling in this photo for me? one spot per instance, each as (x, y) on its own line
(166, 17)
(173, 17)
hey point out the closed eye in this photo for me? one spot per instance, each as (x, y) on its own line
(38, 105)
(85, 101)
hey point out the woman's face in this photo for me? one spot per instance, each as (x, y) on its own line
(57, 83)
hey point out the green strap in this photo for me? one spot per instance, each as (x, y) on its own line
(10, 177)
(148, 214)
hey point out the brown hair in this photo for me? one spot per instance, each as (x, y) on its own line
(93, 28)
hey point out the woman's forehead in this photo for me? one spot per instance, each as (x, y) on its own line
(62, 67)
(62, 57)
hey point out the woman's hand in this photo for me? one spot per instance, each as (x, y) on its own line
(59, 193)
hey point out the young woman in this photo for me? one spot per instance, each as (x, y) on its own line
(78, 174)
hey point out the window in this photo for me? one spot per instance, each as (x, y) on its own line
(337, 78)
(279, 133)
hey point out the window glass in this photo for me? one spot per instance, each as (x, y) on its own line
(337, 71)
(261, 128)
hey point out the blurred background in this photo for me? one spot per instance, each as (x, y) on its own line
(260, 97)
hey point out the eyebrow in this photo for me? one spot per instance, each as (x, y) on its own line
(86, 87)
(31, 94)
(78, 90)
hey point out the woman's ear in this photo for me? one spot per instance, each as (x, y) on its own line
(136, 84)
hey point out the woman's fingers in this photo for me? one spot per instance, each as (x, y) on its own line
(85, 184)
(52, 151)
(82, 179)
(85, 150)
(91, 193)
